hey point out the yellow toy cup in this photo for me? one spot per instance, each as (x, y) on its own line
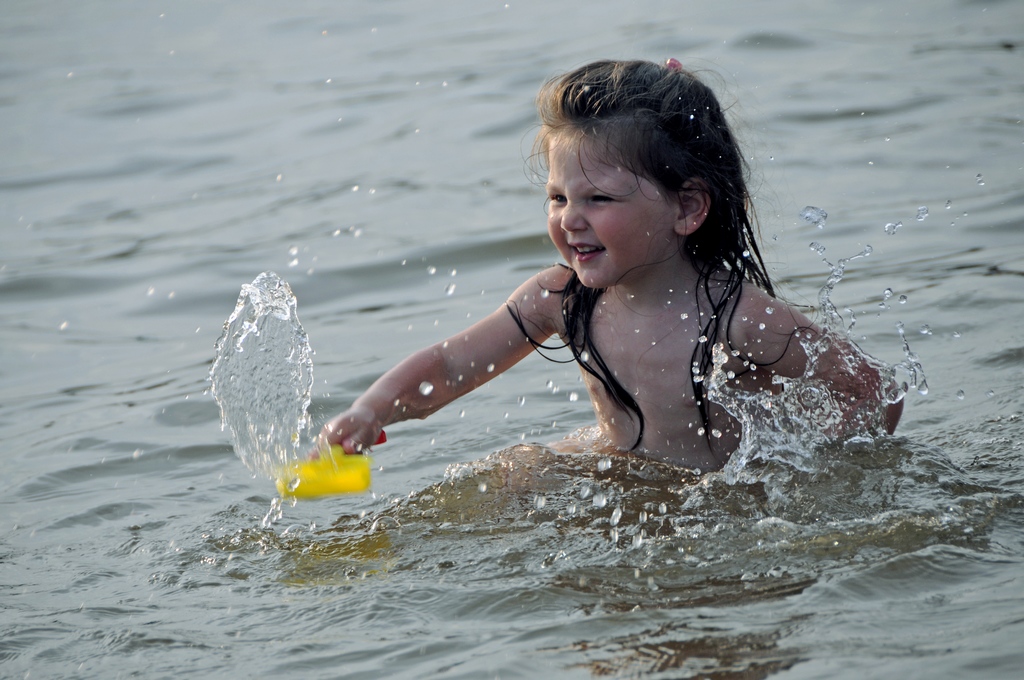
(329, 474)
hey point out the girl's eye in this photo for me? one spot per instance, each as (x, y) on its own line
(601, 199)
(556, 198)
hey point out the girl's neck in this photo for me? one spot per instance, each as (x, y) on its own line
(654, 297)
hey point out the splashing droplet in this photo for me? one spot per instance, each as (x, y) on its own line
(604, 464)
(426, 388)
(815, 216)
(616, 516)
(817, 247)
(262, 378)
(922, 213)
(980, 180)
(892, 227)
(600, 499)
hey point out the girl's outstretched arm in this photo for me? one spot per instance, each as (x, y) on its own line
(437, 375)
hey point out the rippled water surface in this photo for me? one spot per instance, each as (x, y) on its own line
(157, 157)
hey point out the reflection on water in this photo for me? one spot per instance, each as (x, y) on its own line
(625, 537)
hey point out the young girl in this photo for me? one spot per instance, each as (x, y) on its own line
(648, 205)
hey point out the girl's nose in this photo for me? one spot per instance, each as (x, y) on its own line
(572, 220)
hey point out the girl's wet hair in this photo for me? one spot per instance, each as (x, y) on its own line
(663, 124)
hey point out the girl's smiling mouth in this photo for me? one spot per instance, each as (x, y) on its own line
(585, 252)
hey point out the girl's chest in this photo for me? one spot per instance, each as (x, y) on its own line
(651, 357)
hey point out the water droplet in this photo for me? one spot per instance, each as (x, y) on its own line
(600, 499)
(925, 330)
(638, 539)
(922, 213)
(616, 516)
(949, 205)
(684, 316)
(956, 334)
(960, 395)
(663, 508)
(426, 388)
(716, 433)
(482, 487)
(574, 396)
(817, 247)
(697, 472)
(431, 270)
(761, 326)
(585, 492)
(604, 464)
(769, 310)
(702, 339)
(539, 502)
(449, 289)
(892, 227)
(887, 293)
(643, 516)
(980, 180)
(545, 293)
(584, 356)
(490, 368)
(903, 299)
(815, 216)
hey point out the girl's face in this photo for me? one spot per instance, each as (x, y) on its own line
(612, 226)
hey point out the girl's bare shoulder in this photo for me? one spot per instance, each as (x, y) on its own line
(762, 327)
(537, 303)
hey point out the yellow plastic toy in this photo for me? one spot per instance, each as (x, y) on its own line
(333, 473)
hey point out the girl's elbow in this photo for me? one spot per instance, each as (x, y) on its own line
(892, 416)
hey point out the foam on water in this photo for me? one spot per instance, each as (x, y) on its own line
(262, 377)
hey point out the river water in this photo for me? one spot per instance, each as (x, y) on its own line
(157, 156)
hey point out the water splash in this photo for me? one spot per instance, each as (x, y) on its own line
(815, 216)
(829, 404)
(262, 377)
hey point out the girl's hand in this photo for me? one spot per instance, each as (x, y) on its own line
(355, 430)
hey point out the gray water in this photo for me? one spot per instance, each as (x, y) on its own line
(157, 157)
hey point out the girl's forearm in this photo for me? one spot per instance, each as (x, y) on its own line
(413, 389)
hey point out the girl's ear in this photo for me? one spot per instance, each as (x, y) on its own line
(694, 204)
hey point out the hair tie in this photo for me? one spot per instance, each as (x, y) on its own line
(673, 64)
